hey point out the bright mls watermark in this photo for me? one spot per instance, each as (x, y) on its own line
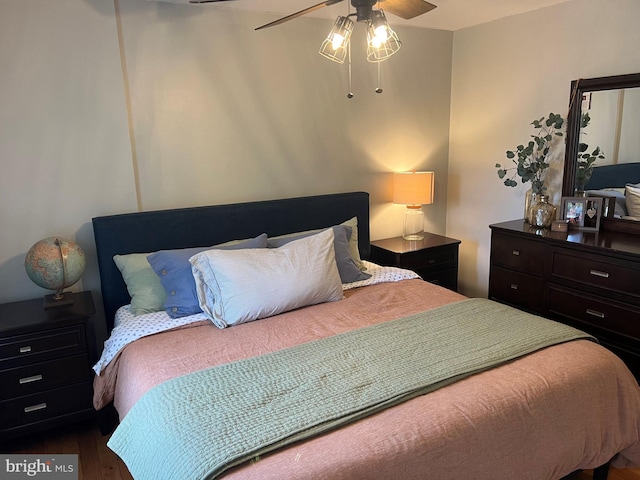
(50, 467)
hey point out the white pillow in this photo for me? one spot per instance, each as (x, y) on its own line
(633, 200)
(238, 286)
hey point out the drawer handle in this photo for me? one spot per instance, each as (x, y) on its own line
(595, 313)
(598, 273)
(516, 252)
(432, 261)
(514, 286)
(34, 408)
(26, 349)
(33, 378)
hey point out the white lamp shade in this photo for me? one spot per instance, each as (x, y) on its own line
(413, 188)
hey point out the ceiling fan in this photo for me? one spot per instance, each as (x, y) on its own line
(382, 41)
(406, 9)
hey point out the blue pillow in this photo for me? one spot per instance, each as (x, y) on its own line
(174, 270)
(347, 268)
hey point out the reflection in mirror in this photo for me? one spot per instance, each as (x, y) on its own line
(602, 134)
(614, 119)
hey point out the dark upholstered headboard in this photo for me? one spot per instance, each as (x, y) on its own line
(614, 176)
(204, 226)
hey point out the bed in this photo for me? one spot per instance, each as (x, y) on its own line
(621, 182)
(559, 408)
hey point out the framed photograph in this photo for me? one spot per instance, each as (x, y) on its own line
(608, 205)
(583, 213)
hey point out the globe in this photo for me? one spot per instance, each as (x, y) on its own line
(55, 263)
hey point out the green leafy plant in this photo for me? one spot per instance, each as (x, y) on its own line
(586, 160)
(530, 161)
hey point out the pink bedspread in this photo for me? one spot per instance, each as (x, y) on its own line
(563, 408)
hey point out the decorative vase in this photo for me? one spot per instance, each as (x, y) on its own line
(541, 212)
(529, 199)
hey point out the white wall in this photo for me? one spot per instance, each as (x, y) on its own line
(111, 107)
(505, 74)
(64, 146)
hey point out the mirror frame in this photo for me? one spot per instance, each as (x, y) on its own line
(578, 87)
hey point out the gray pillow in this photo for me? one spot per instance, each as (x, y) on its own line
(347, 268)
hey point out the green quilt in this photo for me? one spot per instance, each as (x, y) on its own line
(199, 425)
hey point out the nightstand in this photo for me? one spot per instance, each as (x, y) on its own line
(44, 365)
(434, 258)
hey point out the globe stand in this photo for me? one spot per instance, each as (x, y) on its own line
(57, 300)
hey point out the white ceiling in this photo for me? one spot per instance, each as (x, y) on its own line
(449, 14)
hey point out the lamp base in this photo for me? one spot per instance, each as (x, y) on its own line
(413, 237)
(413, 223)
(56, 300)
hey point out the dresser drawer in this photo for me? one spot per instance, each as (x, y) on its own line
(38, 377)
(517, 253)
(42, 345)
(515, 288)
(43, 406)
(594, 270)
(596, 311)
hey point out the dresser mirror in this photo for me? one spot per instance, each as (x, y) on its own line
(613, 107)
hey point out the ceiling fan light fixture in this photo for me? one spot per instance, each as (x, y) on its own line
(382, 41)
(334, 47)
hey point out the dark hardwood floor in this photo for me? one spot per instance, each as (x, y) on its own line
(98, 462)
(614, 474)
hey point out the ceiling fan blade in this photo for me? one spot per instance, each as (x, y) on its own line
(207, 1)
(313, 8)
(406, 9)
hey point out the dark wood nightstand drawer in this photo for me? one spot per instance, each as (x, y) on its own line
(517, 253)
(46, 405)
(596, 311)
(595, 270)
(38, 377)
(42, 345)
(516, 288)
(434, 258)
(445, 278)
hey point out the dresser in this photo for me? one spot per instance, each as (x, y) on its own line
(590, 280)
(434, 258)
(45, 370)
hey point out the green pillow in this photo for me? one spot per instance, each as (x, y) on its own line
(146, 291)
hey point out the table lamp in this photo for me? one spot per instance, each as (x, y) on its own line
(413, 189)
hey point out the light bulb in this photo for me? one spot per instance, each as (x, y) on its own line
(381, 36)
(337, 41)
